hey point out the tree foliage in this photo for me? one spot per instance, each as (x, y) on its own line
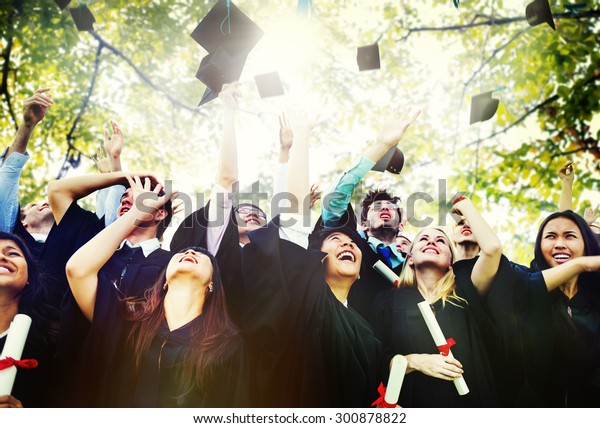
(138, 68)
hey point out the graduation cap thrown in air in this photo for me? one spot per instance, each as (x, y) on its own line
(367, 57)
(392, 161)
(227, 28)
(269, 84)
(62, 3)
(483, 107)
(219, 67)
(84, 20)
(538, 12)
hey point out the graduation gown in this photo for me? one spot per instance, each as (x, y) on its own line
(397, 321)
(308, 349)
(107, 365)
(560, 344)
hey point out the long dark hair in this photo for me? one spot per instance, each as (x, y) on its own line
(587, 283)
(33, 299)
(214, 336)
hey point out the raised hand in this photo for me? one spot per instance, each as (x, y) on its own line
(147, 197)
(590, 215)
(566, 173)
(114, 145)
(286, 134)
(393, 131)
(101, 161)
(315, 194)
(230, 95)
(36, 106)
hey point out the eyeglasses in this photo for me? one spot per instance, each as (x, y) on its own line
(246, 210)
(380, 205)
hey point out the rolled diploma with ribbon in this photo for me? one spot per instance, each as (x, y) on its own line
(394, 385)
(386, 272)
(13, 347)
(440, 340)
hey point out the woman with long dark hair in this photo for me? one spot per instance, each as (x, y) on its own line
(173, 347)
(567, 313)
(22, 291)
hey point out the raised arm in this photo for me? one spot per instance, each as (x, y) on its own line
(486, 266)
(114, 146)
(286, 140)
(62, 193)
(34, 110)
(227, 172)
(336, 202)
(559, 275)
(13, 161)
(566, 175)
(297, 180)
(83, 267)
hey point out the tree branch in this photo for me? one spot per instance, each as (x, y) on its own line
(69, 157)
(89, 94)
(6, 66)
(142, 75)
(496, 21)
(529, 112)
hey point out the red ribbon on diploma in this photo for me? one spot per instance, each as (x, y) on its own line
(24, 364)
(445, 348)
(380, 403)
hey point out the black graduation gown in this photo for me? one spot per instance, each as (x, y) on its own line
(560, 344)
(397, 321)
(33, 387)
(76, 228)
(308, 349)
(107, 365)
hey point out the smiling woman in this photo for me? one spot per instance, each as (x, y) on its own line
(22, 291)
(568, 256)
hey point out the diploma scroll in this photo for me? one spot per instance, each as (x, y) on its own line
(440, 341)
(386, 272)
(397, 372)
(13, 348)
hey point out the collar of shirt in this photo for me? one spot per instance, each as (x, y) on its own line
(39, 237)
(148, 246)
(396, 258)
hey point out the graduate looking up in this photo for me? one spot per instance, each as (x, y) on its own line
(455, 293)
(308, 348)
(180, 326)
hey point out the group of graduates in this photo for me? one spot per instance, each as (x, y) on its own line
(245, 312)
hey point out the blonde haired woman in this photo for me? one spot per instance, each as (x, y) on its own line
(455, 292)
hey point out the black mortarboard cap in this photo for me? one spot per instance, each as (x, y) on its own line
(483, 107)
(62, 3)
(208, 96)
(84, 20)
(236, 34)
(392, 161)
(219, 67)
(269, 84)
(367, 57)
(537, 12)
